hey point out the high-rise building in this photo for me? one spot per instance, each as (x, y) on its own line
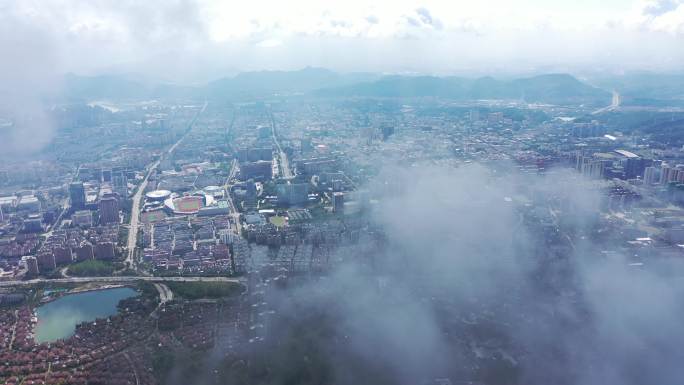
(46, 261)
(292, 193)
(120, 184)
(77, 195)
(650, 174)
(665, 173)
(306, 145)
(109, 209)
(84, 252)
(31, 266)
(227, 236)
(260, 170)
(104, 251)
(82, 218)
(338, 202)
(106, 175)
(33, 223)
(62, 255)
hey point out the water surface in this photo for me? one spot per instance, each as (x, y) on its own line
(58, 319)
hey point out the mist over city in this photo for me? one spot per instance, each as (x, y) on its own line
(407, 193)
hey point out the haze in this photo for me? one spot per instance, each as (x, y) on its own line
(341, 192)
(191, 41)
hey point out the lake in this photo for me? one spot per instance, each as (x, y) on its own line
(58, 319)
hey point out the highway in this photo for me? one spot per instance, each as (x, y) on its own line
(120, 279)
(614, 104)
(284, 163)
(137, 198)
(231, 205)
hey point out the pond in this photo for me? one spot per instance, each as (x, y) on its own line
(58, 319)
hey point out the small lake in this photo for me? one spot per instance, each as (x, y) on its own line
(58, 319)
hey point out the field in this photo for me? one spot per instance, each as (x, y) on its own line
(92, 268)
(278, 221)
(187, 204)
(197, 290)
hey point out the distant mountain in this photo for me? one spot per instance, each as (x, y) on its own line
(118, 87)
(245, 84)
(553, 89)
(278, 82)
(101, 87)
(646, 88)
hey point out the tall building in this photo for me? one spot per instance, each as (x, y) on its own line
(633, 166)
(62, 255)
(650, 174)
(104, 251)
(31, 265)
(84, 252)
(82, 218)
(227, 237)
(109, 209)
(665, 173)
(292, 193)
(106, 175)
(46, 262)
(338, 202)
(306, 145)
(77, 195)
(260, 170)
(120, 184)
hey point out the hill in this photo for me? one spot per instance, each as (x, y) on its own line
(552, 89)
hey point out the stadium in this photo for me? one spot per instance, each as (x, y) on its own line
(188, 204)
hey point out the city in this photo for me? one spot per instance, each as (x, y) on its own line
(315, 226)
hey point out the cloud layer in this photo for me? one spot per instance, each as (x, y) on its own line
(187, 38)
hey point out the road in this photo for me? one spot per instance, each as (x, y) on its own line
(137, 198)
(231, 205)
(284, 163)
(165, 294)
(121, 279)
(614, 104)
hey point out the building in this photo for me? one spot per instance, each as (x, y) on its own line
(317, 165)
(650, 175)
(104, 251)
(84, 252)
(28, 203)
(292, 193)
(82, 218)
(306, 145)
(46, 262)
(109, 209)
(33, 223)
(62, 255)
(227, 237)
(338, 202)
(120, 184)
(31, 266)
(77, 195)
(260, 170)
(106, 175)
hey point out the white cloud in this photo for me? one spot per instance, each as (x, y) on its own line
(416, 35)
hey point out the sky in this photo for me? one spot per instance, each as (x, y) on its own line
(197, 40)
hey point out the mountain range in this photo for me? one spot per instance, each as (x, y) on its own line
(562, 89)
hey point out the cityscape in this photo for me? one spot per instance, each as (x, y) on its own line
(326, 226)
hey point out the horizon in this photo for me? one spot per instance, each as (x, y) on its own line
(194, 41)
